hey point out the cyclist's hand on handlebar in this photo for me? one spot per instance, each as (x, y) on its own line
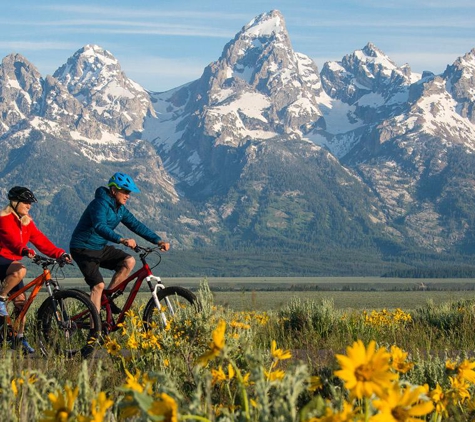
(130, 243)
(164, 246)
(30, 253)
(66, 258)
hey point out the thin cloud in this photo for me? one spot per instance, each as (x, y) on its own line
(146, 12)
(141, 28)
(36, 45)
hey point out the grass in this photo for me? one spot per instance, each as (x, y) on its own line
(142, 371)
(272, 293)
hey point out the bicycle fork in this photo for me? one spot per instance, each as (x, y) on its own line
(60, 313)
(159, 286)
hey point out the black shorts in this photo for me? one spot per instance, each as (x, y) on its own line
(4, 264)
(89, 261)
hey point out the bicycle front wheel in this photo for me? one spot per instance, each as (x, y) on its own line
(68, 323)
(172, 301)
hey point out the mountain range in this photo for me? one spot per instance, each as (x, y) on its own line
(262, 166)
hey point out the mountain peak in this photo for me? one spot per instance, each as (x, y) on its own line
(95, 52)
(87, 62)
(266, 25)
(372, 54)
(371, 50)
(94, 77)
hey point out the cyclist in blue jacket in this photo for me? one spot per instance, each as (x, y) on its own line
(90, 246)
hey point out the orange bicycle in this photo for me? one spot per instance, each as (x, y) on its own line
(66, 320)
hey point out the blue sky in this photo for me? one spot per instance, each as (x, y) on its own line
(163, 44)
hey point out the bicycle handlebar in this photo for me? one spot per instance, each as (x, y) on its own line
(46, 262)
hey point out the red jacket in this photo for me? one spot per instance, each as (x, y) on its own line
(16, 233)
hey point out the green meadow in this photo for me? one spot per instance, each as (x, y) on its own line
(272, 293)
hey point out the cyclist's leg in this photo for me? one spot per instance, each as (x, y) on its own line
(19, 302)
(96, 295)
(123, 269)
(14, 274)
(89, 262)
(119, 261)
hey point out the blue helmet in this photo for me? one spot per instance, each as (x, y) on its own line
(123, 181)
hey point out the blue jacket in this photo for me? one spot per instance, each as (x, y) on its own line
(98, 222)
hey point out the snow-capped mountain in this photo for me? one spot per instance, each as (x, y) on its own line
(262, 149)
(259, 89)
(94, 77)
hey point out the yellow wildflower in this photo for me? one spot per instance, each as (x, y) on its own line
(333, 415)
(112, 347)
(166, 406)
(98, 409)
(279, 354)
(14, 387)
(220, 376)
(399, 360)
(365, 371)
(132, 342)
(440, 400)
(276, 375)
(132, 381)
(217, 345)
(450, 365)
(459, 390)
(315, 383)
(62, 405)
(402, 405)
(465, 371)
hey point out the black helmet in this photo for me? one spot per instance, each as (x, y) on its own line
(19, 193)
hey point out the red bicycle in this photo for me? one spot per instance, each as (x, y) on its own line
(165, 302)
(66, 320)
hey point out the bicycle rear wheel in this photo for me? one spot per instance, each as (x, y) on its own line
(68, 323)
(172, 301)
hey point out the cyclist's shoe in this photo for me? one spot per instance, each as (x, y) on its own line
(3, 308)
(26, 346)
(23, 342)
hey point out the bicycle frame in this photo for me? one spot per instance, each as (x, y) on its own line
(142, 274)
(38, 282)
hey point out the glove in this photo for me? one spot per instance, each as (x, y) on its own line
(28, 252)
(66, 257)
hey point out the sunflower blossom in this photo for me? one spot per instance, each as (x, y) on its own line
(399, 360)
(132, 382)
(63, 405)
(166, 406)
(98, 409)
(402, 405)
(216, 346)
(334, 415)
(113, 348)
(440, 400)
(365, 371)
(459, 390)
(276, 375)
(465, 371)
(279, 354)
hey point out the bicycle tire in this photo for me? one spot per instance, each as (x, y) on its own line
(80, 324)
(178, 297)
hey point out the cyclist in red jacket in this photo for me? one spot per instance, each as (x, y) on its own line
(16, 230)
